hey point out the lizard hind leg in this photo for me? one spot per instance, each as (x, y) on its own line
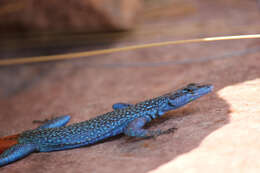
(56, 122)
(7, 142)
(16, 152)
(120, 105)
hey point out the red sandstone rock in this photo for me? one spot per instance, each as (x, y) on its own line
(80, 15)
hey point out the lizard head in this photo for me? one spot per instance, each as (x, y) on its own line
(187, 94)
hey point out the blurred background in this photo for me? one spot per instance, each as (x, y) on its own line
(39, 28)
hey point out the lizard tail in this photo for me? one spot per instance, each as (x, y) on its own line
(8, 141)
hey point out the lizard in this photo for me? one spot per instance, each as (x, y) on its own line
(125, 118)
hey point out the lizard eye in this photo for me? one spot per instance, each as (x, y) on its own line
(187, 90)
(172, 105)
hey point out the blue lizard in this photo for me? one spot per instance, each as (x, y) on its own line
(126, 118)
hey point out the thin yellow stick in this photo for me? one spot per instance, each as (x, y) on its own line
(112, 50)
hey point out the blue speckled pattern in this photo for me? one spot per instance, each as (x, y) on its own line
(125, 118)
(91, 131)
(16, 152)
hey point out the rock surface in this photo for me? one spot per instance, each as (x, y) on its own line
(217, 133)
(235, 146)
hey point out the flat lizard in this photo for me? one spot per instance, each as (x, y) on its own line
(125, 118)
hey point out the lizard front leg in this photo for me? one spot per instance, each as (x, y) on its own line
(135, 128)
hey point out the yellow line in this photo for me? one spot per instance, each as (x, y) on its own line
(112, 50)
(234, 37)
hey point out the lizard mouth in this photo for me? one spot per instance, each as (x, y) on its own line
(8, 141)
(205, 89)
